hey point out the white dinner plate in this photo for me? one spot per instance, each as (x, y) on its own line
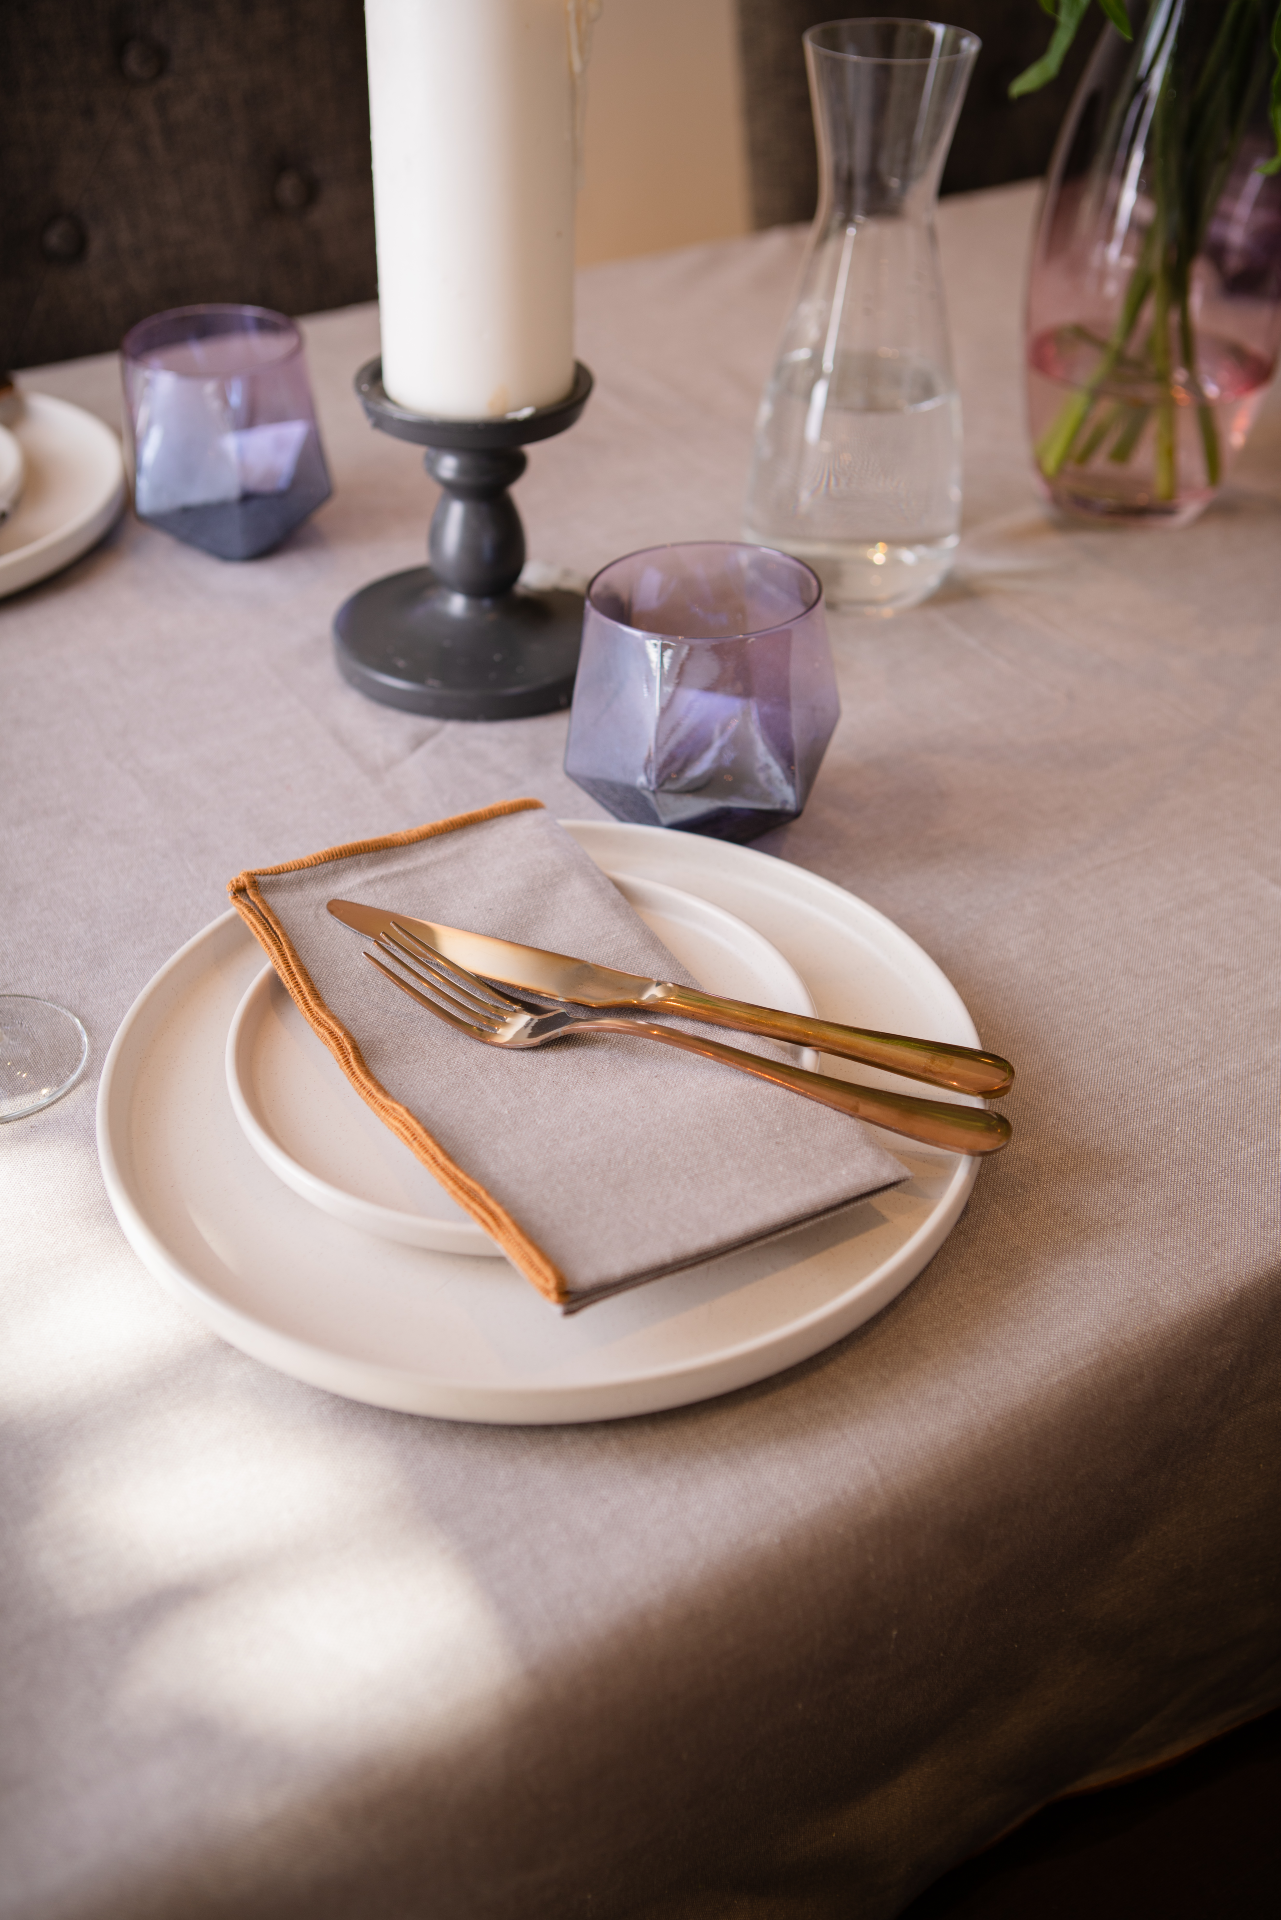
(468, 1339)
(72, 492)
(303, 1119)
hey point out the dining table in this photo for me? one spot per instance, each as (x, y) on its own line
(793, 1649)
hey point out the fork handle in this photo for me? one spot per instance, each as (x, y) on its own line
(938, 1123)
(935, 1061)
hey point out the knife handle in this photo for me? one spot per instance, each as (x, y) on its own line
(957, 1129)
(964, 1069)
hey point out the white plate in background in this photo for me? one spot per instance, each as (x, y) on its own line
(73, 490)
(305, 1121)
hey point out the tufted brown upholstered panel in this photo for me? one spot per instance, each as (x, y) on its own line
(159, 152)
(997, 139)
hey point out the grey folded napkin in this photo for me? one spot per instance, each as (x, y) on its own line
(599, 1162)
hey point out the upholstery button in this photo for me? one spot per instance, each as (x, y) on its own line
(141, 60)
(293, 190)
(63, 239)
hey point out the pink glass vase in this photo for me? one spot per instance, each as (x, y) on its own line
(1154, 303)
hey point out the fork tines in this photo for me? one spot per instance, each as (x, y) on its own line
(454, 993)
(415, 953)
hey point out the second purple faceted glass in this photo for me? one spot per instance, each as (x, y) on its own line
(706, 694)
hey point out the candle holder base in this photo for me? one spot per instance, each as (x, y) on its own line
(409, 641)
(460, 639)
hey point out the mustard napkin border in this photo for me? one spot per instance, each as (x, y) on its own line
(247, 899)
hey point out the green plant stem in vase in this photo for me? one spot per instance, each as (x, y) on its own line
(1154, 305)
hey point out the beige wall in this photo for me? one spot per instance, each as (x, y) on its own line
(665, 161)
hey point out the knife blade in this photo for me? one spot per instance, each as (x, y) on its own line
(560, 976)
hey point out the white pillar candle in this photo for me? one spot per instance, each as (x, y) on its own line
(472, 108)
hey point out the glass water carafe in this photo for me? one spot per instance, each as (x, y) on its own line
(857, 459)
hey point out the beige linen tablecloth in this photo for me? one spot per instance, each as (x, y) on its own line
(793, 1652)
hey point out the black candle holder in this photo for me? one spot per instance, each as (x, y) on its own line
(459, 638)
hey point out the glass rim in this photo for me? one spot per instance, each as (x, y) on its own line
(286, 330)
(717, 546)
(966, 43)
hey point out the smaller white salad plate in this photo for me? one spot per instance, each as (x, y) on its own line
(300, 1114)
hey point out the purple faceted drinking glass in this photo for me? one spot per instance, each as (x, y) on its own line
(226, 452)
(706, 694)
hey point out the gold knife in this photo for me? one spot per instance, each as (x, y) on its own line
(561, 977)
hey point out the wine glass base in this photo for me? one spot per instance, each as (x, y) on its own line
(43, 1050)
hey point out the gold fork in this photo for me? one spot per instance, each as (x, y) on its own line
(471, 1006)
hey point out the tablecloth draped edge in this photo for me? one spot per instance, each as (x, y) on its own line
(523, 1252)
